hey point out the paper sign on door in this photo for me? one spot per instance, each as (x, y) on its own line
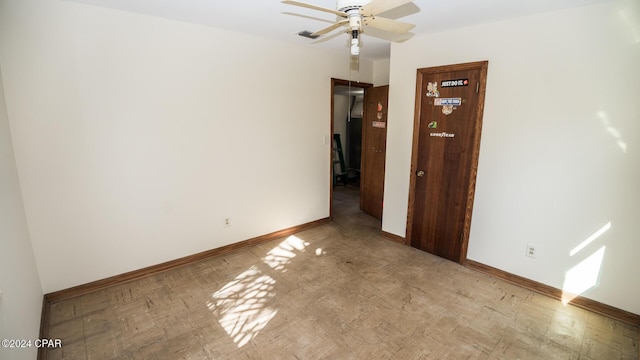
(447, 101)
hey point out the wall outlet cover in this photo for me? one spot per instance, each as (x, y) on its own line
(531, 250)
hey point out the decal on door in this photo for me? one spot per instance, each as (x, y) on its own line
(379, 107)
(454, 83)
(443, 134)
(448, 104)
(379, 124)
(379, 115)
(432, 89)
(447, 101)
(433, 125)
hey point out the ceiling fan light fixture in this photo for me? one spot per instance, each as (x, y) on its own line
(355, 49)
(355, 43)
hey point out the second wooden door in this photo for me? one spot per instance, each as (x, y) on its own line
(374, 144)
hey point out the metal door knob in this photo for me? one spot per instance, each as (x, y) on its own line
(420, 173)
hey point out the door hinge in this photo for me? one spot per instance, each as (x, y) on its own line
(477, 88)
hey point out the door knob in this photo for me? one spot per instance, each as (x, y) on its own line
(420, 173)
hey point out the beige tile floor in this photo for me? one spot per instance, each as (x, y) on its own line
(339, 291)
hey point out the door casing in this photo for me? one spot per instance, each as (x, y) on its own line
(335, 82)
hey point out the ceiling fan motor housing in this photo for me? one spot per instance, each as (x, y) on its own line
(346, 5)
(352, 8)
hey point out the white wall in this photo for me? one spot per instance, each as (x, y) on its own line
(381, 72)
(559, 157)
(135, 136)
(21, 299)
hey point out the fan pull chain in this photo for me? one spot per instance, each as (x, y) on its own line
(349, 106)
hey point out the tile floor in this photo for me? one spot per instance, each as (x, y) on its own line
(339, 291)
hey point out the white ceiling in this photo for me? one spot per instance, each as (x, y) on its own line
(273, 19)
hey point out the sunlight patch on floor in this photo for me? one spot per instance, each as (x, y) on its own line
(278, 257)
(241, 305)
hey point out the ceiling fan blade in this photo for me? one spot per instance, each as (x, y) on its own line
(323, 39)
(376, 7)
(388, 36)
(331, 28)
(385, 24)
(404, 37)
(307, 17)
(314, 7)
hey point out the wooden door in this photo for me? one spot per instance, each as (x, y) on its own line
(448, 122)
(374, 144)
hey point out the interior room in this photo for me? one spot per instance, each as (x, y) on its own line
(145, 147)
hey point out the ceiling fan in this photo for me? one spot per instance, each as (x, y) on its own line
(357, 15)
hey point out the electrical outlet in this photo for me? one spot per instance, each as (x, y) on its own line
(531, 250)
(226, 222)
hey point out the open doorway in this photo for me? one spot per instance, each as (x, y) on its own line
(347, 99)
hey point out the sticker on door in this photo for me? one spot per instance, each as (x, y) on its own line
(447, 101)
(454, 83)
(443, 134)
(432, 89)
